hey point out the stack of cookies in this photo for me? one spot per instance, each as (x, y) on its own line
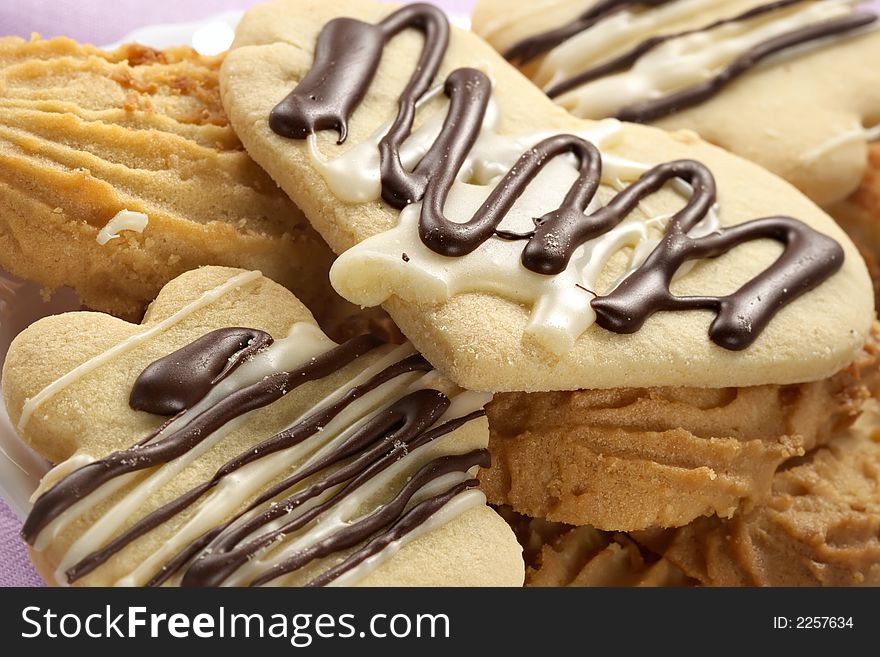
(629, 357)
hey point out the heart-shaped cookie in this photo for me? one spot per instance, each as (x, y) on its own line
(784, 83)
(522, 249)
(226, 440)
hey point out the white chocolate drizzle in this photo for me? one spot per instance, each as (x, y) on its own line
(857, 134)
(122, 498)
(398, 262)
(676, 64)
(122, 220)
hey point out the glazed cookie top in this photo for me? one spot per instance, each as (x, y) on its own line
(784, 83)
(520, 248)
(228, 441)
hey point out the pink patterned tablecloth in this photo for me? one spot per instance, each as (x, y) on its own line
(102, 22)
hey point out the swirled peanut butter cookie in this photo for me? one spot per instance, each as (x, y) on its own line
(227, 441)
(785, 83)
(119, 171)
(820, 526)
(631, 458)
(520, 248)
(562, 555)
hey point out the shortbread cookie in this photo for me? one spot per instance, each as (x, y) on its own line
(821, 526)
(499, 303)
(86, 135)
(784, 83)
(228, 441)
(561, 555)
(633, 458)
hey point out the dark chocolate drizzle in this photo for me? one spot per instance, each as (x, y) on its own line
(401, 423)
(408, 521)
(384, 438)
(347, 56)
(469, 91)
(205, 570)
(560, 233)
(533, 46)
(654, 109)
(393, 512)
(282, 440)
(627, 59)
(809, 258)
(181, 379)
(454, 239)
(294, 501)
(91, 476)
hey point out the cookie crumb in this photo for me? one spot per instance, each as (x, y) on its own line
(405, 257)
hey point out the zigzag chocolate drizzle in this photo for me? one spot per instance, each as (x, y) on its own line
(387, 436)
(346, 59)
(809, 257)
(327, 96)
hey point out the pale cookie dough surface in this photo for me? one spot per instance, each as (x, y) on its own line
(478, 338)
(801, 115)
(87, 416)
(86, 134)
